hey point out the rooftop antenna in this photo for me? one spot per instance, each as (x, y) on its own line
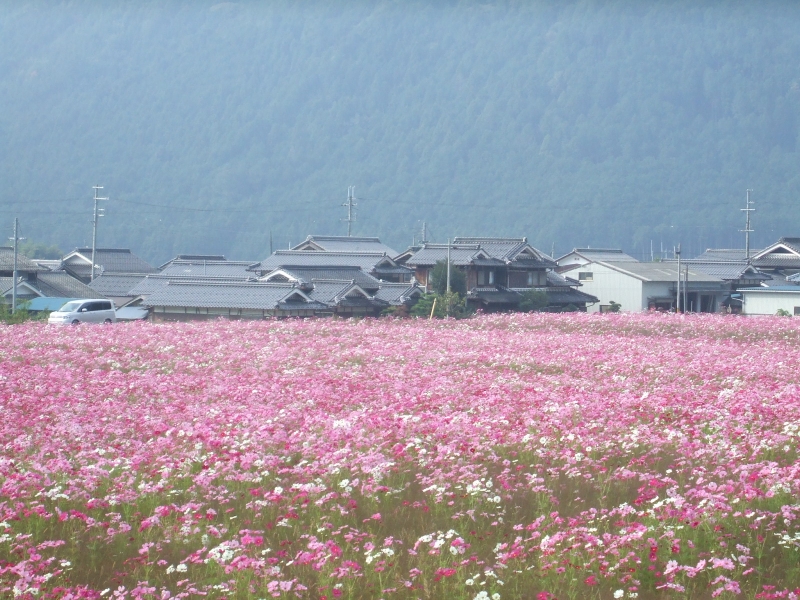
(747, 230)
(98, 212)
(350, 204)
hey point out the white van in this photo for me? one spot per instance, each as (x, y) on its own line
(84, 311)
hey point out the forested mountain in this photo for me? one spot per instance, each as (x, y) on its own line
(602, 123)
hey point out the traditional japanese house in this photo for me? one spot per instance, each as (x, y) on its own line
(378, 264)
(342, 243)
(78, 263)
(498, 271)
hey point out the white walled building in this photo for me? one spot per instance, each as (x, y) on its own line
(768, 300)
(639, 287)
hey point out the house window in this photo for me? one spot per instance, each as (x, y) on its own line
(485, 277)
(585, 276)
(797, 311)
(530, 278)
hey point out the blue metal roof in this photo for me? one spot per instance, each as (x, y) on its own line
(50, 304)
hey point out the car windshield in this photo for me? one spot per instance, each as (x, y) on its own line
(70, 307)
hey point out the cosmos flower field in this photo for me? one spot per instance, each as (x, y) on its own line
(520, 456)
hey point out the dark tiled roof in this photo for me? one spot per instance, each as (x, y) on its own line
(60, 284)
(6, 284)
(397, 293)
(777, 261)
(778, 281)
(196, 269)
(306, 274)
(495, 295)
(156, 281)
(24, 264)
(366, 261)
(195, 258)
(338, 243)
(109, 260)
(467, 251)
(728, 271)
(237, 295)
(331, 291)
(430, 254)
(503, 248)
(564, 296)
(554, 278)
(791, 242)
(116, 284)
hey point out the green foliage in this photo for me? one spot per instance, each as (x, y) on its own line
(782, 312)
(32, 249)
(565, 122)
(21, 315)
(452, 305)
(458, 281)
(533, 301)
(614, 307)
(423, 306)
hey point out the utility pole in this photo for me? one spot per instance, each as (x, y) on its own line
(448, 277)
(678, 295)
(747, 230)
(97, 214)
(424, 233)
(350, 204)
(16, 240)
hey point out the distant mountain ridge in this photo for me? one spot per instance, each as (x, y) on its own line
(213, 125)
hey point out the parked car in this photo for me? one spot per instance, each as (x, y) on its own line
(84, 311)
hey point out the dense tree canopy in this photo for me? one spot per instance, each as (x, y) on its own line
(212, 125)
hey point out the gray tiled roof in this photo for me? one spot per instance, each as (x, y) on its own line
(306, 274)
(110, 260)
(430, 254)
(791, 242)
(330, 291)
(7, 282)
(777, 261)
(466, 251)
(397, 293)
(227, 268)
(156, 281)
(569, 296)
(496, 247)
(495, 295)
(24, 264)
(366, 261)
(60, 284)
(116, 284)
(201, 294)
(337, 243)
(194, 257)
(728, 271)
(554, 278)
(778, 281)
